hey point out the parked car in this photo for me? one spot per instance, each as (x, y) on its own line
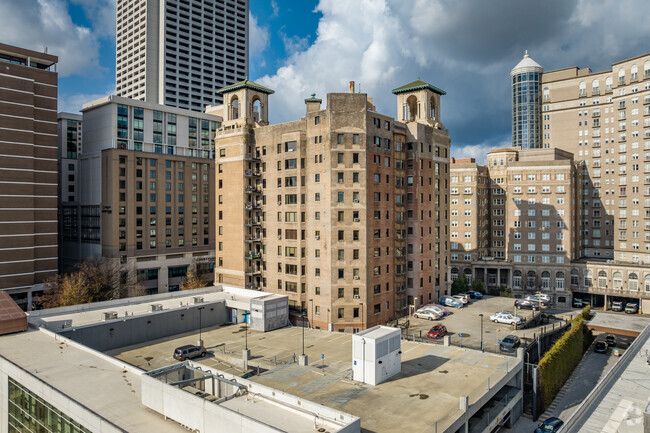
(631, 308)
(444, 310)
(617, 306)
(462, 298)
(427, 314)
(505, 317)
(601, 347)
(510, 343)
(544, 300)
(577, 303)
(437, 331)
(436, 309)
(551, 425)
(475, 295)
(450, 302)
(188, 352)
(610, 339)
(527, 305)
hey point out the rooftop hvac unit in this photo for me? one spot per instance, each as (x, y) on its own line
(197, 299)
(156, 307)
(109, 315)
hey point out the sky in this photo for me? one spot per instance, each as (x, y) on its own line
(301, 47)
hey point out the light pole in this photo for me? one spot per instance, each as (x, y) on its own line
(312, 313)
(303, 333)
(481, 316)
(200, 328)
(246, 330)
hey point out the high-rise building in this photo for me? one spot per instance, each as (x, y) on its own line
(179, 52)
(526, 109)
(512, 221)
(145, 197)
(344, 210)
(603, 118)
(28, 173)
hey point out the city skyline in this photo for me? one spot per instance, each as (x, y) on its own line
(290, 43)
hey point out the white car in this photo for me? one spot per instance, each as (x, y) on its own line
(543, 299)
(462, 298)
(436, 309)
(507, 318)
(427, 314)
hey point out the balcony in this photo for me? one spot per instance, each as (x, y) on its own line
(252, 206)
(252, 173)
(252, 239)
(253, 271)
(252, 190)
(252, 255)
(253, 157)
(252, 222)
(595, 114)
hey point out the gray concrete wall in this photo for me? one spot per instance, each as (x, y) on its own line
(126, 331)
(269, 313)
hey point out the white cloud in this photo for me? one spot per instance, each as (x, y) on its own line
(466, 48)
(35, 24)
(258, 37)
(293, 44)
(73, 103)
(276, 9)
(102, 15)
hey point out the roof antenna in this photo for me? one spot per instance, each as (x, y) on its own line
(359, 87)
(45, 51)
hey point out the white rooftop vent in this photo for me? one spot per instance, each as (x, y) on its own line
(197, 300)
(156, 307)
(376, 354)
(109, 315)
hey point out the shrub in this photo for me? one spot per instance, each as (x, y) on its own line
(586, 313)
(559, 362)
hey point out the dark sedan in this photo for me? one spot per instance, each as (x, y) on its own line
(475, 295)
(509, 343)
(610, 339)
(551, 425)
(526, 305)
(601, 347)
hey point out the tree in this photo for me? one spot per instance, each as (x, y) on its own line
(192, 279)
(477, 286)
(95, 280)
(459, 285)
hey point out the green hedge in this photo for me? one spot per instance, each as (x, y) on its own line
(586, 312)
(559, 362)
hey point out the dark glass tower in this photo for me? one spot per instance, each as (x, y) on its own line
(526, 104)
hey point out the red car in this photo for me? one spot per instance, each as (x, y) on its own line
(437, 331)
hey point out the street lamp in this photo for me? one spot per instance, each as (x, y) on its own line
(481, 316)
(303, 333)
(246, 329)
(312, 313)
(200, 328)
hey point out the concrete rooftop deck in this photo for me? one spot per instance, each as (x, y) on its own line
(428, 389)
(79, 374)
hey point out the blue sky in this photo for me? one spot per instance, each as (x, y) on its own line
(466, 47)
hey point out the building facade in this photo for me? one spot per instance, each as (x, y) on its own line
(344, 210)
(526, 109)
(28, 171)
(179, 52)
(146, 191)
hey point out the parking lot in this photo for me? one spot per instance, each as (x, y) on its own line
(466, 321)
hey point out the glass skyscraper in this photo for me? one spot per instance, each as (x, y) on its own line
(526, 104)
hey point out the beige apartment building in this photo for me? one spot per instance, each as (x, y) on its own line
(144, 191)
(344, 210)
(28, 173)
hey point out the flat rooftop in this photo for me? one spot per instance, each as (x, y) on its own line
(79, 374)
(619, 322)
(429, 388)
(57, 319)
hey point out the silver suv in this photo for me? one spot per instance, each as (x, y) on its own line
(188, 352)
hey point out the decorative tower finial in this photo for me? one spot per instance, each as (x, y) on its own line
(526, 53)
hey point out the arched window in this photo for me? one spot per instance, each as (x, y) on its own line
(547, 94)
(575, 277)
(454, 274)
(621, 76)
(468, 275)
(516, 279)
(531, 280)
(633, 282)
(646, 70)
(546, 280)
(256, 109)
(559, 280)
(602, 280)
(608, 83)
(411, 108)
(647, 283)
(595, 87)
(234, 108)
(432, 108)
(583, 88)
(589, 278)
(617, 280)
(634, 72)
